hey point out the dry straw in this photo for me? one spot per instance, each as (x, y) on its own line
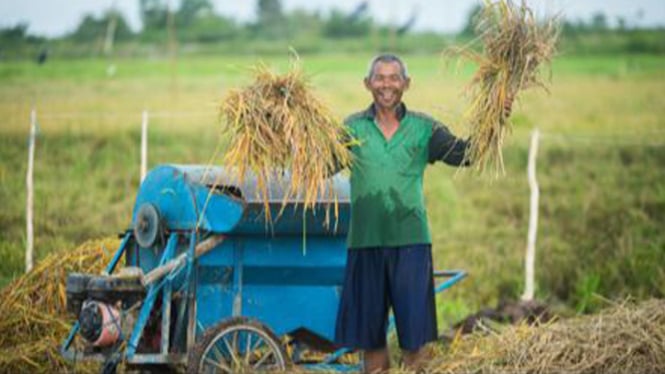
(33, 320)
(514, 46)
(625, 338)
(275, 126)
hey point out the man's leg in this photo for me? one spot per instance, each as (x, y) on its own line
(414, 360)
(362, 317)
(412, 296)
(376, 361)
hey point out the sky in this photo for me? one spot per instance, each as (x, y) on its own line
(57, 17)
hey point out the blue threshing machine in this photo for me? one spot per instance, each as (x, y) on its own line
(208, 286)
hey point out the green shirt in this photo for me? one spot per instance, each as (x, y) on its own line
(387, 201)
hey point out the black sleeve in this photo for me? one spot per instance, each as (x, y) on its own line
(446, 147)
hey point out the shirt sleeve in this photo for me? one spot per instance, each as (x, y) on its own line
(446, 147)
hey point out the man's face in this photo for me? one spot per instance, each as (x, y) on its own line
(387, 85)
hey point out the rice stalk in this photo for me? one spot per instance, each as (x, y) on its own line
(33, 319)
(625, 338)
(514, 47)
(276, 126)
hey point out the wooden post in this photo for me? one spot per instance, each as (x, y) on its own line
(110, 30)
(144, 144)
(530, 259)
(29, 248)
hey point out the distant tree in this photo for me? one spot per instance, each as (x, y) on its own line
(571, 28)
(340, 25)
(406, 26)
(153, 14)
(270, 19)
(17, 32)
(269, 10)
(16, 42)
(359, 12)
(209, 28)
(300, 21)
(192, 10)
(469, 28)
(599, 22)
(92, 28)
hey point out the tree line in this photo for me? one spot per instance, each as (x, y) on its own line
(196, 22)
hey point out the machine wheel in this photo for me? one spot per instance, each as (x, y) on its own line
(238, 345)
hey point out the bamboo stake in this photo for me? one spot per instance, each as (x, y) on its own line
(29, 200)
(530, 259)
(110, 30)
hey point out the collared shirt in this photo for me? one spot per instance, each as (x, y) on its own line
(387, 201)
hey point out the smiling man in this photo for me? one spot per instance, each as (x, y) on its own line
(389, 261)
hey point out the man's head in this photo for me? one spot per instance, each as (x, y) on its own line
(387, 80)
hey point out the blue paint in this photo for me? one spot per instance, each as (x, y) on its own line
(261, 270)
(149, 301)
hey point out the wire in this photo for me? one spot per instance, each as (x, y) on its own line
(67, 115)
(643, 139)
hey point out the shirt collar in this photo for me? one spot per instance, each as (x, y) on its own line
(370, 112)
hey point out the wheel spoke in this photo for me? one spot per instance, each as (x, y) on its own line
(258, 343)
(258, 363)
(248, 350)
(240, 347)
(234, 358)
(217, 353)
(219, 365)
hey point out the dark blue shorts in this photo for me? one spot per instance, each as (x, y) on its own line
(377, 279)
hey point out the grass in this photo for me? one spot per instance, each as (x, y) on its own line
(599, 166)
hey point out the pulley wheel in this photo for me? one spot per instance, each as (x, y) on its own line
(147, 226)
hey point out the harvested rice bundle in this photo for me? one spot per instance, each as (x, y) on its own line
(33, 319)
(625, 338)
(276, 124)
(515, 45)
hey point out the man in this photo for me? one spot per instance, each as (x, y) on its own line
(389, 258)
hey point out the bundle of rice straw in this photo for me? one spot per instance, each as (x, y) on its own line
(33, 320)
(515, 45)
(624, 338)
(277, 125)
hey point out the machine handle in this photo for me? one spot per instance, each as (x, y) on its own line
(453, 276)
(201, 249)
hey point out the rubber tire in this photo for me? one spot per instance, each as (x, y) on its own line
(210, 334)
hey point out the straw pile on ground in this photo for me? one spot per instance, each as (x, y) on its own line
(625, 338)
(514, 46)
(277, 125)
(33, 321)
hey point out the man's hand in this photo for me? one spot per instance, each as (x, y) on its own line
(508, 106)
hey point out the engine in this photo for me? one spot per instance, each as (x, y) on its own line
(98, 301)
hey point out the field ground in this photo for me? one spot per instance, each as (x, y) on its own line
(599, 165)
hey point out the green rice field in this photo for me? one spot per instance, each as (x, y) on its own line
(600, 164)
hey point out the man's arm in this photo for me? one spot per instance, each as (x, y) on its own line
(446, 147)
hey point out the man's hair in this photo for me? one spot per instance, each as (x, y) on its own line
(387, 57)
